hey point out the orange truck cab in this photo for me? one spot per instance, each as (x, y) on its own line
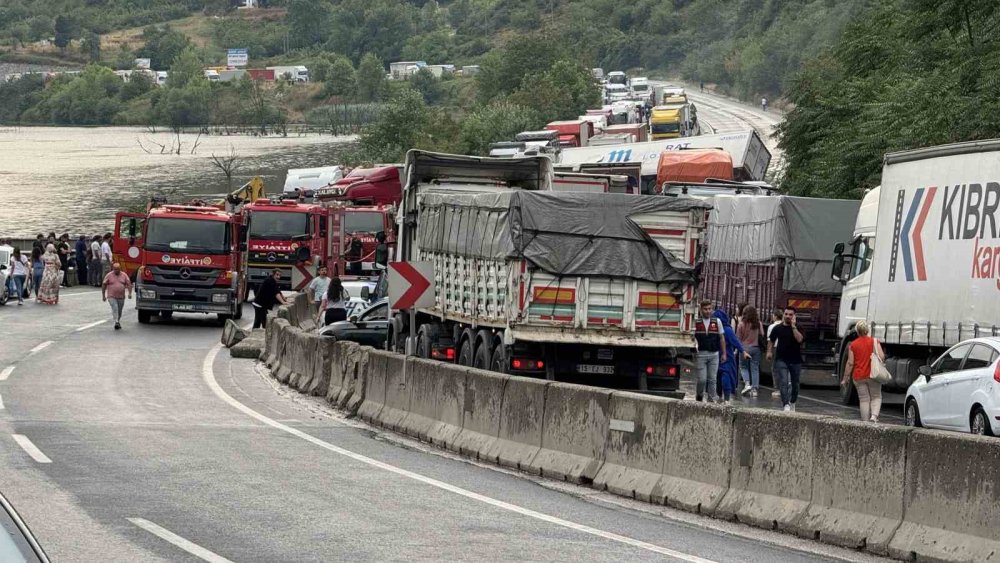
(186, 258)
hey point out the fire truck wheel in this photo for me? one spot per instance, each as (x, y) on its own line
(144, 316)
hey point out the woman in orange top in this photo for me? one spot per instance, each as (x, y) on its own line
(859, 366)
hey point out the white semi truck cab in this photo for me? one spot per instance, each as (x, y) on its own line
(923, 267)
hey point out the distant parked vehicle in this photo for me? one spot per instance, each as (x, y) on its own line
(5, 254)
(960, 391)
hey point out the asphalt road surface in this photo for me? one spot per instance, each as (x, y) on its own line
(148, 444)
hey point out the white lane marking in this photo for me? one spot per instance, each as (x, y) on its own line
(209, 377)
(31, 449)
(91, 325)
(1, 403)
(77, 294)
(6, 372)
(188, 546)
(40, 347)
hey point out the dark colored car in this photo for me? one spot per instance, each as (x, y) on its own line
(16, 541)
(370, 327)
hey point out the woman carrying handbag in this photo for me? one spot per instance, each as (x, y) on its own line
(865, 359)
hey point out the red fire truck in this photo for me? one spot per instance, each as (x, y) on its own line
(299, 237)
(189, 259)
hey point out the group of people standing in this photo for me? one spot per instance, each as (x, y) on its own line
(729, 351)
(43, 272)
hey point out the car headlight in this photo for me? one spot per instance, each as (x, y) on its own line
(220, 298)
(147, 294)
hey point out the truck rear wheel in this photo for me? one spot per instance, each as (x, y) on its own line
(499, 362)
(144, 316)
(465, 353)
(483, 354)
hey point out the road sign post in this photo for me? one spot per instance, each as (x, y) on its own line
(411, 285)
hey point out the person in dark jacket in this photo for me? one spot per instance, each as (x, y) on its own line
(729, 368)
(82, 246)
(264, 299)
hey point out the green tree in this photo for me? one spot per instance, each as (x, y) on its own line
(185, 69)
(162, 44)
(370, 78)
(497, 121)
(319, 70)
(184, 106)
(406, 122)
(309, 22)
(65, 29)
(341, 80)
(423, 81)
(139, 83)
(42, 27)
(19, 34)
(505, 70)
(91, 46)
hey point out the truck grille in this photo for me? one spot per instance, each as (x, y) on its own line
(185, 276)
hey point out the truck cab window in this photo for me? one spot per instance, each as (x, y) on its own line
(862, 251)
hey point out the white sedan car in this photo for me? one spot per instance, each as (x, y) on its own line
(960, 390)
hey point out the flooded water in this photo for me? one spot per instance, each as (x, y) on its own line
(74, 179)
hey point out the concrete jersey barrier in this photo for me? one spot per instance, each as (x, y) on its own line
(889, 490)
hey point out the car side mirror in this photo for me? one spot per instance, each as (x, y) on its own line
(353, 319)
(925, 371)
(837, 272)
(365, 293)
(302, 253)
(3, 267)
(839, 248)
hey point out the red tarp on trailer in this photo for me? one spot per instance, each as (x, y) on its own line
(694, 166)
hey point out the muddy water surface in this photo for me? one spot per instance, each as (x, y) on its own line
(74, 179)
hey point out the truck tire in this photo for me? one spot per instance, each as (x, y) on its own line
(221, 318)
(465, 357)
(427, 335)
(396, 342)
(144, 316)
(4, 295)
(499, 362)
(483, 354)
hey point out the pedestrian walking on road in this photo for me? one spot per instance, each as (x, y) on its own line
(859, 367)
(763, 104)
(51, 277)
(711, 349)
(785, 346)
(19, 268)
(750, 331)
(107, 257)
(775, 321)
(37, 270)
(729, 367)
(266, 296)
(82, 246)
(94, 265)
(39, 243)
(63, 248)
(113, 290)
(334, 303)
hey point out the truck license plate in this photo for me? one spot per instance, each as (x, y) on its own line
(183, 307)
(602, 370)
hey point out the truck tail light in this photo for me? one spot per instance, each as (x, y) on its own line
(669, 371)
(447, 354)
(522, 364)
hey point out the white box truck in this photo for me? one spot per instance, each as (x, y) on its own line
(924, 263)
(594, 287)
(295, 73)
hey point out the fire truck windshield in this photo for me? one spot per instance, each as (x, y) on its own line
(278, 225)
(363, 222)
(187, 235)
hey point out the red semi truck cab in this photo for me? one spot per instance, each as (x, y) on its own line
(361, 224)
(190, 259)
(366, 186)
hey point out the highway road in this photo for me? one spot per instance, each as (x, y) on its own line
(148, 444)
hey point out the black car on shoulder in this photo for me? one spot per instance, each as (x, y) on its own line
(370, 327)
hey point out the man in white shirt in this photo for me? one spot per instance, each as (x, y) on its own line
(94, 265)
(318, 286)
(106, 256)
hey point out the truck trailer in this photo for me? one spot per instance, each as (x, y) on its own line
(593, 287)
(924, 262)
(773, 252)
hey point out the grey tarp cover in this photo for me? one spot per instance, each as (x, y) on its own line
(801, 230)
(562, 233)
